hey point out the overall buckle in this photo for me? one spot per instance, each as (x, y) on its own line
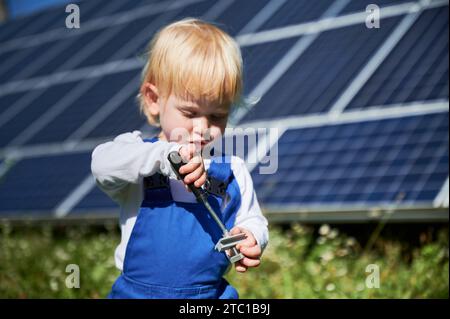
(215, 186)
(156, 180)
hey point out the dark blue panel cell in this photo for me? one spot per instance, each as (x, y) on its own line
(95, 200)
(295, 11)
(7, 101)
(238, 14)
(30, 25)
(125, 118)
(260, 59)
(402, 160)
(42, 101)
(16, 27)
(39, 184)
(416, 70)
(67, 50)
(320, 74)
(122, 35)
(83, 108)
(16, 61)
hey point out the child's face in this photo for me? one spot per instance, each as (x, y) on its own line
(184, 121)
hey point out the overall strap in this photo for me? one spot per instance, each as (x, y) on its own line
(220, 168)
(151, 139)
(221, 175)
(156, 186)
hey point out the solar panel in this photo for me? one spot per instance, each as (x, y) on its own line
(417, 69)
(59, 55)
(83, 108)
(78, 48)
(320, 74)
(259, 59)
(123, 119)
(364, 163)
(94, 203)
(86, 43)
(7, 101)
(45, 99)
(54, 18)
(30, 24)
(19, 58)
(35, 186)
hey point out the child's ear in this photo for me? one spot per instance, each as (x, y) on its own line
(151, 97)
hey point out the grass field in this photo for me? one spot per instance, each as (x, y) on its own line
(300, 262)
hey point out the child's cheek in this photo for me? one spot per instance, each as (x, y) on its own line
(215, 132)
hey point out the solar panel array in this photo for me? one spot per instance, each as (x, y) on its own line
(63, 91)
(380, 161)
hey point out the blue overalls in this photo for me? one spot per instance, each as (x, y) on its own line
(170, 253)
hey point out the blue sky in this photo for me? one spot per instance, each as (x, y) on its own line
(23, 7)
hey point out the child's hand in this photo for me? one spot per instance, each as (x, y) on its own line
(249, 248)
(194, 169)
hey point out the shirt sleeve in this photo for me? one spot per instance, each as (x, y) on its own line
(126, 159)
(249, 215)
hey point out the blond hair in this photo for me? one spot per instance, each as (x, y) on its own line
(194, 60)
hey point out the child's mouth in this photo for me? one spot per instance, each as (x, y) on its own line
(202, 143)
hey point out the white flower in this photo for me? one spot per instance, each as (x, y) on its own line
(324, 230)
(333, 234)
(330, 287)
(327, 256)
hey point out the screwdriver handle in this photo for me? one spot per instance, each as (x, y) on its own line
(176, 161)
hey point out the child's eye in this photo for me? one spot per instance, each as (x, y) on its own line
(189, 115)
(218, 117)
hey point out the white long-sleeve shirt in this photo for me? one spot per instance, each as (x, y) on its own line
(119, 167)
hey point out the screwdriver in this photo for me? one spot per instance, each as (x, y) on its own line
(227, 242)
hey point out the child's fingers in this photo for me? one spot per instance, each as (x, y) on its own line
(189, 168)
(186, 152)
(194, 176)
(240, 267)
(197, 159)
(248, 262)
(190, 153)
(251, 252)
(250, 241)
(199, 182)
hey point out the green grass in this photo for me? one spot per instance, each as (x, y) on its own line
(298, 263)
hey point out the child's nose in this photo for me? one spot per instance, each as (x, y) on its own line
(201, 124)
